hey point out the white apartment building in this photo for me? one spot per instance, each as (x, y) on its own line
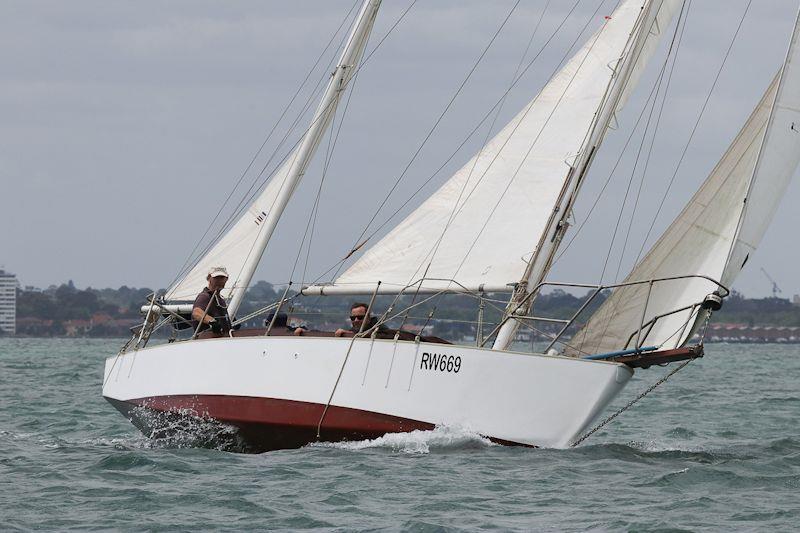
(8, 303)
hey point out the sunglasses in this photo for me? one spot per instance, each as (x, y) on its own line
(357, 317)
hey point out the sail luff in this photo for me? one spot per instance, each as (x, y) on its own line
(557, 226)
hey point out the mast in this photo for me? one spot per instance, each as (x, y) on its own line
(305, 152)
(558, 224)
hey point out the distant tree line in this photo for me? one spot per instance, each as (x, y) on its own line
(66, 310)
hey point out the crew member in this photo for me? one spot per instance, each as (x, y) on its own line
(210, 307)
(281, 324)
(358, 313)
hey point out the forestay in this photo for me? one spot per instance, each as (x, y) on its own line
(716, 232)
(479, 228)
(240, 249)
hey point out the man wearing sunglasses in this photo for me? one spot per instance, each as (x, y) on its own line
(358, 313)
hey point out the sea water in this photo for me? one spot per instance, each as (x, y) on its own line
(717, 447)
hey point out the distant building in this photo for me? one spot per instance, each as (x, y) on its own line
(8, 303)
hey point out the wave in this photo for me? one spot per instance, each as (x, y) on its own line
(441, 438)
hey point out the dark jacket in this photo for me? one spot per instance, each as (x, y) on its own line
(217, 308)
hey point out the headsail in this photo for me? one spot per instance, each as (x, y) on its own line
(240, 249)
(480, 226)
(716, 232)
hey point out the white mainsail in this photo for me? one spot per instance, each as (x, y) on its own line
(240, 249)
(716, 232)
(480, 226)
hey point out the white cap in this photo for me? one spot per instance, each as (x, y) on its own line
(216, 272)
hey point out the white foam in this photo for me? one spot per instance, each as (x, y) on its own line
(417, 442)
(655, 446)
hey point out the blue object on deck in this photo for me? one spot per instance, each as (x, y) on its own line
(609, 355)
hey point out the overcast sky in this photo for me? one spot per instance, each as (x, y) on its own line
(124, 125)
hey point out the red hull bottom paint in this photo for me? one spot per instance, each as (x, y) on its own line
(264, 424)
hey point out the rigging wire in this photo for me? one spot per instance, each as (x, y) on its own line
(502, 100)
(295, 154)
(437, 122)
(676, 45)
(653, 96)
(361, 241)
(432, 253)
(533, 143)
(252, 192)
(256, 185)
(629, 184)
(641, 182)
(455, 210)
(694, 129)
(263, 144)
(685, 149)
(636, 399)
(333, 138)
(326, 166)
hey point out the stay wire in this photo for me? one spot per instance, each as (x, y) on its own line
(522, 163)
(641, 184)
(694, 129)
(616, 303)
(638, 397)
(686, 146)
(455, 209)
(333, 139)
(489, 131)
(676, 45)
(355, 75)
(436, 123)
(361, 240)
(252, 193)
(294, 153)
(258, 182)
(263, 144)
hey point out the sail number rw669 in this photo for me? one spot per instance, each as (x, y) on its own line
(441, 362)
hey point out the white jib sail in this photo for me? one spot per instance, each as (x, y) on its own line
(240, 249)
(715, 233)
(480, 226)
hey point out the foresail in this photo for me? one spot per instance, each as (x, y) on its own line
(240, 248)
(698, 241)
(479, 228)
(715, 233)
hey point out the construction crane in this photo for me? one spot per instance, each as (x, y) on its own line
(775, 289)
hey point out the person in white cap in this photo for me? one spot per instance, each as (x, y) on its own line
(210, 307)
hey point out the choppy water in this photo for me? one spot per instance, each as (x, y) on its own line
(717, 447)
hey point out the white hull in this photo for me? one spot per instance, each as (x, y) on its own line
(280, 384)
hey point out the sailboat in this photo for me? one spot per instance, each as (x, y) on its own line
(282, 391)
